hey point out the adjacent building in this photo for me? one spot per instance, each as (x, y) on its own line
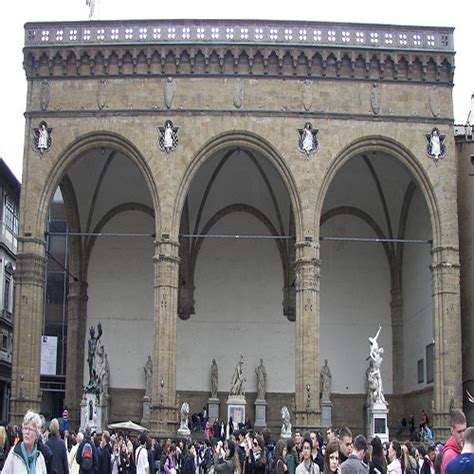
(10, 203)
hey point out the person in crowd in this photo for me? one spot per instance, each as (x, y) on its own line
(316, 452)
(406, 459)
(378, 463)
(141, 456)
(71, 459)
(4, 446)
(291, 456)
(171, 461)
(58, 448)
(412, 462)
(307, 466)
(25, 458)
(330, 435)
(256, 460)
(105, 454)
(124, 459)
(421, 455)
(331, 458)
(454, 444)
(269, 448)
(344, 438)
(298, 445)
(396, 465)
(226, 465)
(279, 458)
(464, 462)
(354, 464)
(189, 465)
(87, 448)
(439, 450)
(428, 462)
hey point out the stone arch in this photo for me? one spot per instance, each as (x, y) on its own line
(77, 148)
(381, 144)
(241, 139)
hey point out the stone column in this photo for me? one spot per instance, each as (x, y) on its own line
(76, 332)
(447, 363)
(164, 413)
(30, 281)
(396, 310)
(307, 270)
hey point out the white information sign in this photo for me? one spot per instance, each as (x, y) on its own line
(49, 351)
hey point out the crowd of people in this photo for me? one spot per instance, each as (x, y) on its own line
(38, 448)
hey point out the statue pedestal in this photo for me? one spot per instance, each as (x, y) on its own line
(326, 413)
(213, 407)
(184, 431)
(145, 421)
(260, 414)
(377, 421)
(236, 409)
(91, 412)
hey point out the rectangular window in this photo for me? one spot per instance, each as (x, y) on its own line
(429, 362)
(421, 371)
(6, 294)
(5, 342)
(11, 215)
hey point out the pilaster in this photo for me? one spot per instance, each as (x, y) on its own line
(396, 310)
(30, 280)
(307, 271)
(76, 330)
(447, 364)
(164, 417)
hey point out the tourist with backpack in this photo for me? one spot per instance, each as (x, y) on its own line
(86, 455)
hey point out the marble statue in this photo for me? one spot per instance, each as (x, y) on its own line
(261, 380)
(326, 382)
(43, 137)
(184, 419)
(91, 356)
(103, 370)
(374, 376)
(148, 369)
(214, 378)
(286, 425)
(238, 379)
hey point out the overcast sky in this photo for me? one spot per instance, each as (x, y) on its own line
(403, 12)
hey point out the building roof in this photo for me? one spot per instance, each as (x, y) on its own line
(7, 177)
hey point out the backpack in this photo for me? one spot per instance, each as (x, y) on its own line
(268, 450)
(87, 456)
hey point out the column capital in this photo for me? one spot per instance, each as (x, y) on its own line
(30, 269)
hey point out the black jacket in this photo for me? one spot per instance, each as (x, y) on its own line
(58, 448)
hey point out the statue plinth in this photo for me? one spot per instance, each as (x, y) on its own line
(260, 413)
(236, 409)
(377, 414)
(145, 421)
(213, 409)
(326, 413)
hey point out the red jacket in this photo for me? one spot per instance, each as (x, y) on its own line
(451, 450)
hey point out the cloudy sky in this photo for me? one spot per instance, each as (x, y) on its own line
(403, 12)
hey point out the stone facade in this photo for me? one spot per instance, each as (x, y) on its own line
(366, 89)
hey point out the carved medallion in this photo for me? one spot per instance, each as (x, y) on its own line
(238, 94)
(375, 98)
(42, 138)
(435, 147)
(101, 93)
(168, 140)
(169, 92)
(308, 142)
(307, 95)
(435, 104)
(45, 95)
